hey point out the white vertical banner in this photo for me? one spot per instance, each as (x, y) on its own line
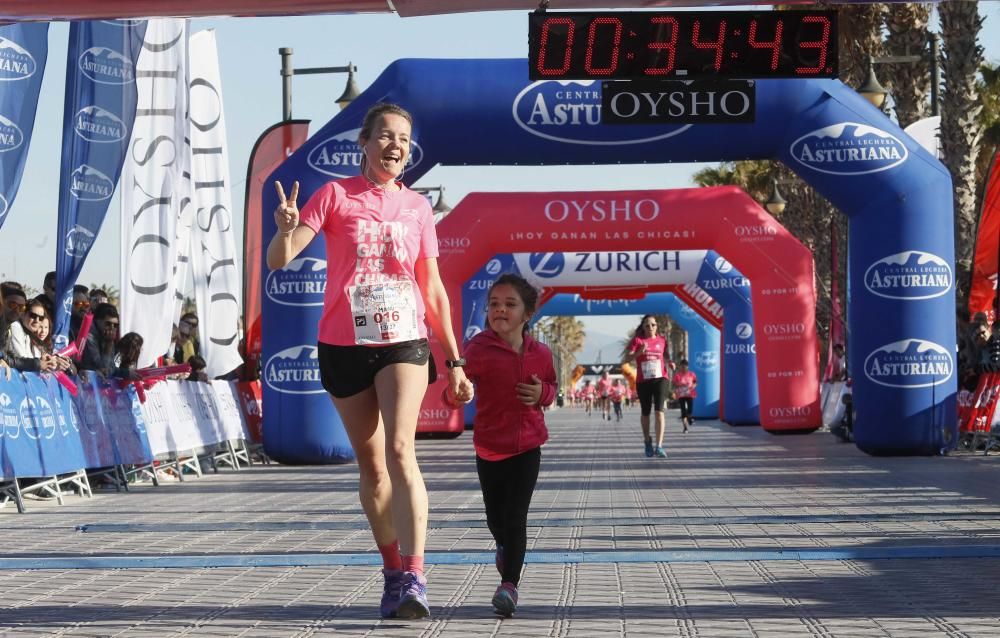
(152, 189)
(217, 278)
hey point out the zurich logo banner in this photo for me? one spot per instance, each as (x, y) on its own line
(23, 50)
(97, 123)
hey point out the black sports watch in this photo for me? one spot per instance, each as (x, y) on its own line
(454, 363)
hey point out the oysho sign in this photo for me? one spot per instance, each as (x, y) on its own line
(849, 148)
(340, 155)
(909, 275)
(910, 363)
(681, 102)
(601, 210)
(301, 283)
(16, 62)
(786, 331)
(294, 370)
(570, 112)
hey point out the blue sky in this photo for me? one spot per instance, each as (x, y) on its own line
(249, 60)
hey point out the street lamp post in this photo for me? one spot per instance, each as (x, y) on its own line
(350, 91)
(873, 91)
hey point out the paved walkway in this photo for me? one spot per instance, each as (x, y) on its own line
(737, 533)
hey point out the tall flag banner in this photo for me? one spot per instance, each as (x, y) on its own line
(982, 295)
(97, 124)
(23, 52)
(153, 187)
(216, 275)
(272, 147)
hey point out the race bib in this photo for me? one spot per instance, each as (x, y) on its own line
(384, 313)
(651, 369)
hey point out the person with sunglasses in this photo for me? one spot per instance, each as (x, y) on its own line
(648, 350)
(28, 342)
(81, 306)
(187, 338)
(99, 350)
(15, 302)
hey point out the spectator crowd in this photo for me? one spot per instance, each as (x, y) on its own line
(26, 336)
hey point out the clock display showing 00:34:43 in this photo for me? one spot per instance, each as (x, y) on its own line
(682, 44)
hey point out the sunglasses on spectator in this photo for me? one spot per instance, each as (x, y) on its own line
(20, 307)
(110, 324)
(193, 324)
(33, 317)
(81, 304)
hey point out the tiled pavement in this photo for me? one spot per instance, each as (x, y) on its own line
(737, 533)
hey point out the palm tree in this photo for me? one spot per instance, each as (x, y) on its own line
(112, 291)
(961, 129)
(565, 337)
(909, 83)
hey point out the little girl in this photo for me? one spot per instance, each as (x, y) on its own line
(685, 381)
(514, 379)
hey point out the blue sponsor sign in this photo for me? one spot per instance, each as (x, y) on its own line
(23, 52)
(97, 122)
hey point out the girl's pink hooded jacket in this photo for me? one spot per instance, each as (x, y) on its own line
(503, 426)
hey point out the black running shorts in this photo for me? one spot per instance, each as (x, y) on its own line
(348, 370)
(652, 395)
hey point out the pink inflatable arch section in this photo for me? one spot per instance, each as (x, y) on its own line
(723, 218)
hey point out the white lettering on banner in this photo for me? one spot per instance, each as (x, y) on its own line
(10, 417)
(704, 300)
(442, 414)
(98, 125)
(849, 148)
(11, 136)
(294, 370)
(741, 348)
(755, 233)
(611, 268)
(27, 412)
(910, 363)
(555, 110)
(725, 283)
(909, 275)
(707, 360)
(217, 280)
(785, 374)
(790, 331)
(45, 418)
(16, 62)
(301, 283)
(779, 292)
(340, 156)
(744, 330)
(89, 184)
(479, 284)
(78, 243)
(106, 66)
(154, 187)
(600, 210)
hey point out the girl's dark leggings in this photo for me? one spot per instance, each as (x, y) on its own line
(507, 488)
(687, 403)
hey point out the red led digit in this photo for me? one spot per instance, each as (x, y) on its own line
(774, 45)
(820, 44)
(543, 46)
(717, 44)
(616, 47)
(670, 46)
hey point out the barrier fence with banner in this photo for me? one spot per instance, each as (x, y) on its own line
(46, 432)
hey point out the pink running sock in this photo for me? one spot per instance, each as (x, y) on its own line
(390, 555)
(413, 564)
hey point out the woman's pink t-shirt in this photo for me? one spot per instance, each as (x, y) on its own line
(373, 240)
(684, 384)
(650, 363)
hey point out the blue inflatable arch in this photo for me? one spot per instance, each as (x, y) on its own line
(898, 199)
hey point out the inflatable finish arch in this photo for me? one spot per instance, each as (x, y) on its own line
(897, 196)
(703, 339)
(605, 273)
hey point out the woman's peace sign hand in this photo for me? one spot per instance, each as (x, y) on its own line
(286, 216)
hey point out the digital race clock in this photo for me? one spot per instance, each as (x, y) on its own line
(682, 44)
